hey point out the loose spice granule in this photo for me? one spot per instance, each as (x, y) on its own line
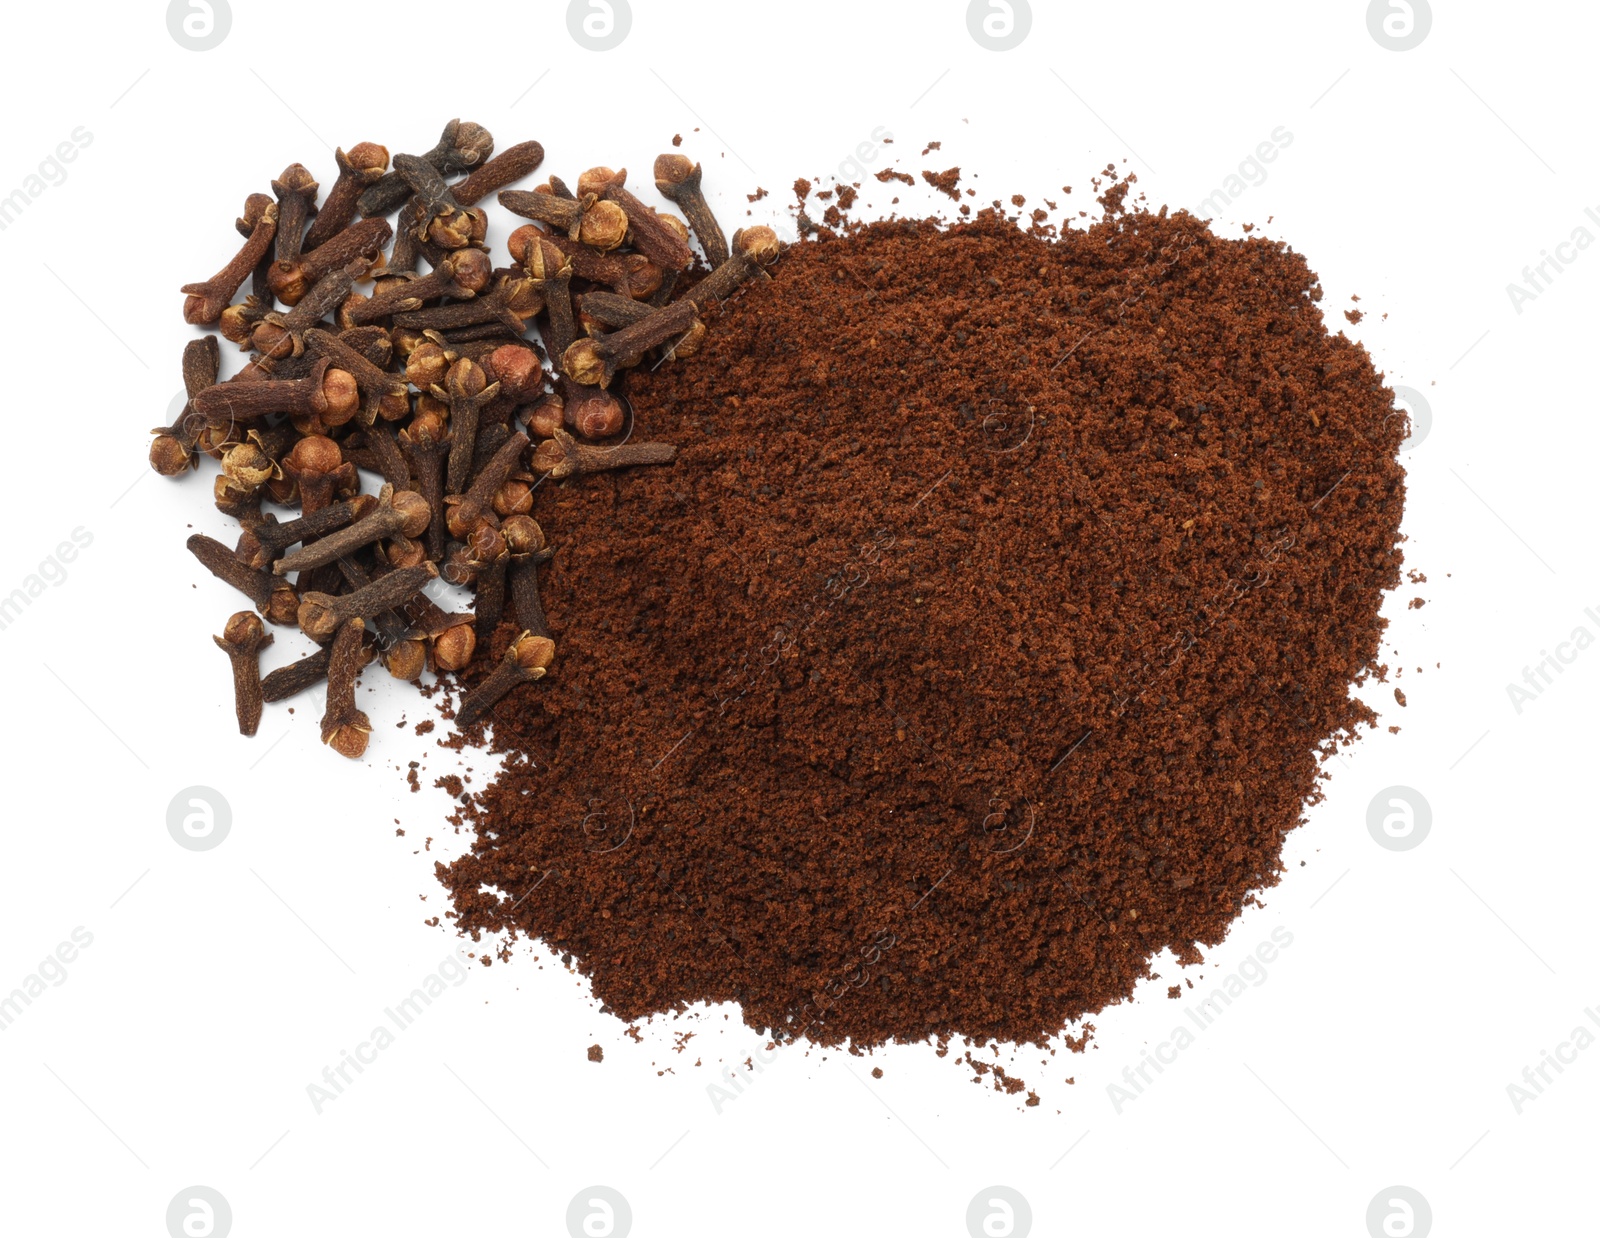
(945, 182)
(596, 1053)
(985, 640)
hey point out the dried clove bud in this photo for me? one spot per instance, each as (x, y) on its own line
(467, 390)
(321, 614)
(563, 456)
(362, 167)
(597, 360)
(652, 235)
(405, 513)
(275, 598)
(528, 658)
(207, 300)
(462, 145)
(289, 281)
(242, 640)
(296, 190)
(172, 451)
(295, 678)
(678, 180)
(344, 727)
(506, 168)
(325, 392)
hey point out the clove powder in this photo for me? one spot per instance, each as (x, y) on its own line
(986, 639)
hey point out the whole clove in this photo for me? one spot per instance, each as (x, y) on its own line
(321, 614)
(563, 456)
(344, 727)
(207, 300)
(242, 640)
(678, 179)
(527, 660)
(273, 597)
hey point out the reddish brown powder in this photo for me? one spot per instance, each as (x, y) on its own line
(985, 639)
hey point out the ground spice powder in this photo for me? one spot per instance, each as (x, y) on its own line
(986, 638)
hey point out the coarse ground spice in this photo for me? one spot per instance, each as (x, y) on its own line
(985, 639)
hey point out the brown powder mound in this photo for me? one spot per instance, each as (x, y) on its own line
(984, 640)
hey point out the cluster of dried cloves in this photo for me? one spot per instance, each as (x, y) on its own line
(462, 390)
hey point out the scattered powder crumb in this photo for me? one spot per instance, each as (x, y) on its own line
(932, 146)
(756, 196)
(1400, 697)
(638, 1037)
(945, 182)
(889, 174)
(677, 139)
(425, 728)
(596, 1053)
(847, 197)
(1033, 1099)
(1174, 992)
(877, 1072)
(1416, 577)
(1353, 316)
(1417, 603)
(1018, 200)
(802, 188)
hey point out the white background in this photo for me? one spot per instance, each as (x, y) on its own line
(219, 984)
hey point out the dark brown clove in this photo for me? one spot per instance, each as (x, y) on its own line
(753, 250)
(405, 513)
(463, 274)
(321, 614)
(272, 539)
(461, 146)
(172, 451)
(295, 678)
(362, 167)
(296, 190)
(612, 311)
(207, 300)
(290, 281)
(283, 335)
(563, 456)
(525, 540)
(649, 233)
(597, 360)
(344, 727)
(273, 597)
(528, 659)
(633, 275)
(512, 302)
(321, 472)
(678, 180)
(384, 394)
(466, 390)
(242, 640)
(563, 214)
(426, 443)
(325, 392)
(506, 168)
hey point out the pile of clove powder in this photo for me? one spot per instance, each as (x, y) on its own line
(401, 421)
(998, 621)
